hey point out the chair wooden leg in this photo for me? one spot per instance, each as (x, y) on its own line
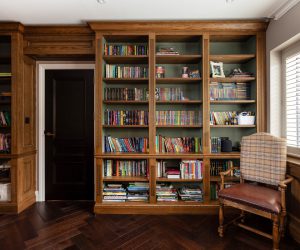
(276, 236)
(221, 220)
(282, 224)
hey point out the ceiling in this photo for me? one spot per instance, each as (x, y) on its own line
(80, 11)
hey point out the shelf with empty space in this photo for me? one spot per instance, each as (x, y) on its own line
(179, 126)
(234, 58)
(232, 126)
(125, 80)
(233, 79)
(180, 102)
(232, 101)
(176, 180)
(125, 102)
(140, 59)
(124, 178)
(125, 126)
(178, 59)
(177, 80)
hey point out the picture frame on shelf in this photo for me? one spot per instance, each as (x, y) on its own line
(217, 69)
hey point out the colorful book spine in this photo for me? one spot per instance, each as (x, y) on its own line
(215, 144)
(229, 91)
(169, 94)
(125, 117)
(178, 117)
(120, 71)
(125, 50)
(126, 94)
(126, 145)
(178, 145)
(126, 168)
(5, 119)
(5, 143)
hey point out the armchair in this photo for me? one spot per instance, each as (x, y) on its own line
(263, 161)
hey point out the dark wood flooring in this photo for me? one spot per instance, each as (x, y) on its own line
(71, 225)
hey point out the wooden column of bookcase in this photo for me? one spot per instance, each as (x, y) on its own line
(225, 34)
(22, 154)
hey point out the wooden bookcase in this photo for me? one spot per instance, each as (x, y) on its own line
(236, 44)
(17, 96)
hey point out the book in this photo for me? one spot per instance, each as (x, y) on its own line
(125, 145)
(5, 143)
(126, 168)
(178, 145)
(169, 94)
(229, 91)
(178, 117)
(125, 50)
(125, 117)
(126, 94)
(120, 71)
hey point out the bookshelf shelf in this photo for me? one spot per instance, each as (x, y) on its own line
(233, 102)
(237, 49)
(125, 126)
(125, 102)
(232, 126)
(232, 79)
(178, 126)
(124, 178)
(180, 102)
(125, 80)
(232, 58)
(178, 59)
(177, 80)
(141, 59)
(177, 180)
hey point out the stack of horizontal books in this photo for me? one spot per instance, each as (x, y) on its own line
(190, 193)
(166, 192)
(138, 191)
(114, 193)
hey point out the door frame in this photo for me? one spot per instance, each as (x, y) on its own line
(42, 66)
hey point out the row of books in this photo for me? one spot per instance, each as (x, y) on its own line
(187, 169)
(125, 168)
(178, 144)
(178, 117)
(169, 94)
(215, 144)
(217, 166)
(224, 118)
(5, 142)
(125, 145)
(126, 94)
(119, 71)
(126, 117)
(135, 191)
(125, 50)
(5, 119)
(167, 51)
(169, 193)
(229, 91)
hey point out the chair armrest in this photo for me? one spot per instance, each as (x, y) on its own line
(223, 174)
(283, 184)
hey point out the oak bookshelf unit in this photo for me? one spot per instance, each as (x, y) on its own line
(178, 104)
(17, 126)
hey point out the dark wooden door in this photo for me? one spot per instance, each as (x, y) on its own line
(69, 133)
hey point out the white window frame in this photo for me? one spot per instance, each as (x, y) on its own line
(286, 53)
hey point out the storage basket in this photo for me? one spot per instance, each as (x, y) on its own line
(244, 119)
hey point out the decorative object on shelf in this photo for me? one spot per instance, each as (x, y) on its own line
(185, 72)
(217, 69)
(226, 145)
(246, 118)
(167, 51)
(160, 72)
(194, 73)
(239, 73)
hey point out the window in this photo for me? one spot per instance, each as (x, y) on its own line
(291, 60)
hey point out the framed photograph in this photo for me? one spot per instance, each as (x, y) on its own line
(217, 69)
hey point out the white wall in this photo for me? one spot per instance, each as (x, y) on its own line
(280, 34)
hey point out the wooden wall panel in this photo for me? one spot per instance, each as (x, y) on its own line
(28, 112)
(52, 42)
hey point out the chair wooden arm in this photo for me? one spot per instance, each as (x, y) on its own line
(223, 174)
(282, 188)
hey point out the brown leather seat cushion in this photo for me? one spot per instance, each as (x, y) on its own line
(259, 197)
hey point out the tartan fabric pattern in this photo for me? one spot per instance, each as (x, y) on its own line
(263, 158)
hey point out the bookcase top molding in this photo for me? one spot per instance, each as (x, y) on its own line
(11, 27)
(161, 26)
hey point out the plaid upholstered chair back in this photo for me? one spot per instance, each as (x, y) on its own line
(263, 158)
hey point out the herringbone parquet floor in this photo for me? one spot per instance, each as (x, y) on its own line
(71, 225)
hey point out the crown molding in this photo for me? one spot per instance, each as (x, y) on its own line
(283, 9)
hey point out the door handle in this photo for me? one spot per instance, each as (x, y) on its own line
(49, 134)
